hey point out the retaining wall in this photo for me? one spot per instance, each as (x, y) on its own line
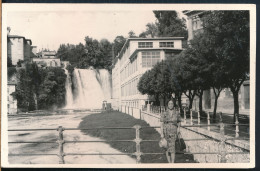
(212, 144)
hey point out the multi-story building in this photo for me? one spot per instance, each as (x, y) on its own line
(19, 48)
(225, 102)
(136, 57)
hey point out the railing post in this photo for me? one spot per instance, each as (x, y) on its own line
(191, 122)
(220, 117)
(208, 117)
(137, 141)
(60, 141)
(132, 111)
(198, 117)
(140, 112)
(237, 126)
(184, 115)
(222, 150)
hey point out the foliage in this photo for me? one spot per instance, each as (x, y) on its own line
(9, 62)
(118, 44)
(170, 25)
(93, 53)
(151, 31)
(228, 39)
(46, 86)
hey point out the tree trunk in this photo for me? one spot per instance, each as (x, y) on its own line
(179, 102)
(236, 105)
(200, 101)
(215, 109)
(216, 93)
(190, 101)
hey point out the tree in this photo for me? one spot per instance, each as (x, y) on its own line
(131, 34)
(170, 25)
(229, 33)
(118, 44)
(151, 31)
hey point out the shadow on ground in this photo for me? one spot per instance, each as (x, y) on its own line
(118, 119)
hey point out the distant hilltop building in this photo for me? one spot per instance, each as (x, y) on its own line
(136, 57)
(19, 49)
(47, 58)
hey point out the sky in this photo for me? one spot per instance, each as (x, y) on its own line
(49, 29)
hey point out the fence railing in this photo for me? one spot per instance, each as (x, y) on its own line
(138, 153)
(195, 116)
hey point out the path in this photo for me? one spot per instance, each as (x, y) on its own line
(53, 121)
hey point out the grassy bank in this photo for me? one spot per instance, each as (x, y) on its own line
(118, 119)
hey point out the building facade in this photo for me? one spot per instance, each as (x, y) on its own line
(19, 49)
(136, 57)
(225, 101)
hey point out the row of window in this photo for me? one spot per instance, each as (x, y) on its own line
(129, 69)
(149, 59)
(150, 44)
(130, 88)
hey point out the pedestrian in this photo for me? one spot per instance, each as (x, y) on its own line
(170, 127)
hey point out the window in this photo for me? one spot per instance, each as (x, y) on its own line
(149, 59)
(145, 44)
(166, 44)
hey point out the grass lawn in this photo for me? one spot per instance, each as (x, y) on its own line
(118, 119)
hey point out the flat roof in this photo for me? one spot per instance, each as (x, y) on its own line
(146, 39)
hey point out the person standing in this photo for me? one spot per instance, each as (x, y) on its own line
(170, 127)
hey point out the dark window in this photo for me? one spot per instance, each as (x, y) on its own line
(166, 44)
(145, 44)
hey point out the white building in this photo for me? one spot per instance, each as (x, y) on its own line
(136, 57)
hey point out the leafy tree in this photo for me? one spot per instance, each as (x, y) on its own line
(170, 25)
(228, 32)
(151, 31)
(39, 88)
(131, 34)
(9, 62)
(118, 44)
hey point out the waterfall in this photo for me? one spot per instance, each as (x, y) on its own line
(91, 88)
(68, 84)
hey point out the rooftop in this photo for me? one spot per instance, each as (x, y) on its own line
(146, 39)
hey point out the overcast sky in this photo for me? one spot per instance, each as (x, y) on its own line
(50, 29)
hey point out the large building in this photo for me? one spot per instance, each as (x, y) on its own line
(19, 48)
(137, 56)
(225, 102)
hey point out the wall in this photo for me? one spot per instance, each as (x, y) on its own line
(48, 61)
(17, 49)
(212, 144)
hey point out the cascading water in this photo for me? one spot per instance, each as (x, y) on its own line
(92, 87)
(68, 85)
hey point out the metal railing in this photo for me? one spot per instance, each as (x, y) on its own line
(61, 141)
